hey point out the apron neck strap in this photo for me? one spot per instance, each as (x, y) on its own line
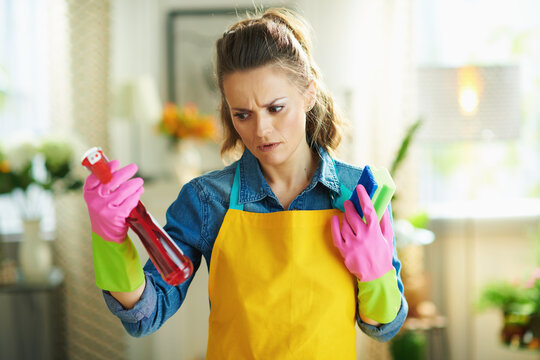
(235, 191)
(337, 202)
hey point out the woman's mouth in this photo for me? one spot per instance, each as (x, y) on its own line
(268, 146)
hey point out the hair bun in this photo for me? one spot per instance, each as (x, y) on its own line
(293, 22)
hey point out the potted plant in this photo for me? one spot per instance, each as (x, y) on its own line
(28, 170)
(519, 303)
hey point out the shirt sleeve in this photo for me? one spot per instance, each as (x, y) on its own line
(159, 301)
(385, 332)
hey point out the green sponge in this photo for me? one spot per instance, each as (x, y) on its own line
(385, 190)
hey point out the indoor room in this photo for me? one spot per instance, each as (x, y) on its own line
(128, 127)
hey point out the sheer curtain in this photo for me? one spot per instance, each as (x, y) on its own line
(23, 40)
(24, 93)
(50, 81)
(35, 86)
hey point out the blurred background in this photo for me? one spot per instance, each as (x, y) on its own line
(445, 94)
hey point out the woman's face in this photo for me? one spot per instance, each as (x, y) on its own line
(269, 113)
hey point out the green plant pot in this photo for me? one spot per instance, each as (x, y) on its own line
(521, 331)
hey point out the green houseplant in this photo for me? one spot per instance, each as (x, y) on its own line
(28, 168)
(519, 303)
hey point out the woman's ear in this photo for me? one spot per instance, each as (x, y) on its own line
(310, 95)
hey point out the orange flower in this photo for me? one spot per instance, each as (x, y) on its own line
(206, 128)
(186, 121)
(182, 132)
(5, 167)
(169, 118)
(190, 111)
(170, 111)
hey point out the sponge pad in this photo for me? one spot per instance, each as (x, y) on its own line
(379, 186)
(369, 183)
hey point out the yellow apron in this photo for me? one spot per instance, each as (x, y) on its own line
(278, 287)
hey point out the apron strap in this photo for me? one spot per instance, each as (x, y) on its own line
(235, 191)
(337, 202)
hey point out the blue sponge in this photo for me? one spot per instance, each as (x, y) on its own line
(369, 183)
(380, 188)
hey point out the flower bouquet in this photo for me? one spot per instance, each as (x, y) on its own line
(186, 122)
(186, 129)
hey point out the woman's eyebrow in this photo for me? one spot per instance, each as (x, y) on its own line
(265, 105)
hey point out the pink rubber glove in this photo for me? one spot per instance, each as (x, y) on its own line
(110, 204)
(366, 247)
(368, 251)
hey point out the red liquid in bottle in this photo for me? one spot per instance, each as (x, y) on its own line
(172, 264)
(170, 261)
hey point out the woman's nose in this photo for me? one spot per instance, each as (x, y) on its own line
(264, 125)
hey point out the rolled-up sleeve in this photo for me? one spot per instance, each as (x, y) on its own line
(142, 309)
(385, 332)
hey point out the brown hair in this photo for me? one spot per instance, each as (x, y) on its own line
(276, 37)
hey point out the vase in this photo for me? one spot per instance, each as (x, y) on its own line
(35, 255)
(186, 160)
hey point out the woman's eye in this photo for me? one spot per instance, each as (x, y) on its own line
(241, 116)
(275, 109)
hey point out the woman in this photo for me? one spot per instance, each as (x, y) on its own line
(289, 273)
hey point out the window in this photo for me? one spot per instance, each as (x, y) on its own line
(24, 87)
(483, 33)
(23, 68)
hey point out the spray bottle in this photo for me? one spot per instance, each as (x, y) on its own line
(170, 261)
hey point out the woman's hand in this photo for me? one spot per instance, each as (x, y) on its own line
(110, 204)
(366, 247)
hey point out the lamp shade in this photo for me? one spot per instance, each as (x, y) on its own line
(469, 103)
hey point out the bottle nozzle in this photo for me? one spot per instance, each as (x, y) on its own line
(95, 161)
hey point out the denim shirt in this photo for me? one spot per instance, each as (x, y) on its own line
(194, 219)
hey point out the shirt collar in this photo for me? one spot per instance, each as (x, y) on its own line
(326, 171)
(253, 185)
